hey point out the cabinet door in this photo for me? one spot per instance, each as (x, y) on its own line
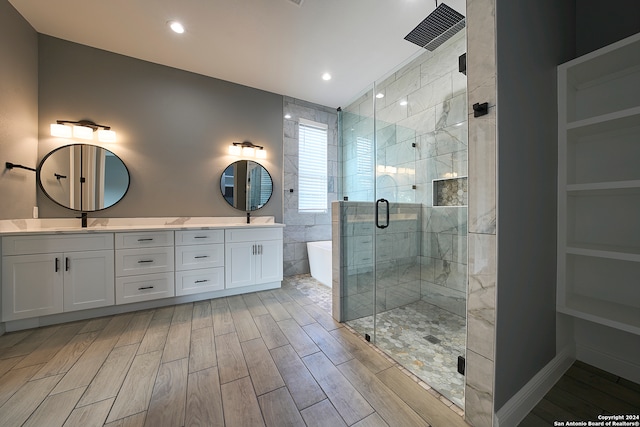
(88, 280)
(31, 285)
(269, 261)
(240, 260)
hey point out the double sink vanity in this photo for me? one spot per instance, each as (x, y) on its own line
(57, 271)
(61, 270)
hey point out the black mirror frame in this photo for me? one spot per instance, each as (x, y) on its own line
(259, 164)
(38, 178)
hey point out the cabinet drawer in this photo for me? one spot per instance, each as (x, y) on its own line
(144, 288)
(130, 262)
(197, 281)
(199, 237)
(199, 256)
(144, 239)
(252, 234)
(25, 245)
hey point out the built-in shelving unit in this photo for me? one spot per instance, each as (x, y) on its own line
(599, 186)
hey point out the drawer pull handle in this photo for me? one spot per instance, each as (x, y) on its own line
(201, 237)
(142, 261)
(57, 265)
(148, 239)
(145, 287)
(66, 264)
(201, 281)
(201, 256)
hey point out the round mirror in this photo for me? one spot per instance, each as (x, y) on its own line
(246, 185)
(83, 177)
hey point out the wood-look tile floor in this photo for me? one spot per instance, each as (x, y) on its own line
(583, 393)
(270, 358)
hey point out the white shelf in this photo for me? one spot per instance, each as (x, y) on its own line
(604, 251)
(602, 82)
(604, 62)
(595, 188)
(629, 117)
(599, 186)
(606, 313)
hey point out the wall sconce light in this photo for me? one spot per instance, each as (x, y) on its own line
(82, 129)
(247, 149)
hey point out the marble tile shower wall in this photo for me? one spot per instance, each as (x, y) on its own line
(397, 255)
(305, 227)
(421, 134)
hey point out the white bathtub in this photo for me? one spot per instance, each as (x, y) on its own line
(320, 261)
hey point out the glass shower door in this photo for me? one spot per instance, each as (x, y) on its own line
(404, 227)
(397, 220)
(381, 221)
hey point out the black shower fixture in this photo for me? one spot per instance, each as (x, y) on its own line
(437, 28)
(462, 63)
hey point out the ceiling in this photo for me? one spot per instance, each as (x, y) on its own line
(273, 45)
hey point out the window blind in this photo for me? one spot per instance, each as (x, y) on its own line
(364, 151)
(312, 166)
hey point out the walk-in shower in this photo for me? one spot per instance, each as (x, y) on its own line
(400, 229)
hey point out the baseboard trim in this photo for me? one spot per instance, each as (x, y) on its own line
(608, 362)
(73, 316)
(514, 411)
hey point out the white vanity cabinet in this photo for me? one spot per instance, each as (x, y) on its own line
(253, 256)
(52, 273)
(144, 266)
(199, 256)
(48, 274)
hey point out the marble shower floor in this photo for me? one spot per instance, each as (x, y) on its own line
(409, 335)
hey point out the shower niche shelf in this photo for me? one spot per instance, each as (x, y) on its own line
(451, 191)
(599, 186)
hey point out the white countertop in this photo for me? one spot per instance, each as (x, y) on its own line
(73, 225)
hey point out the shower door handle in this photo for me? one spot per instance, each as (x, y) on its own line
(377, 213)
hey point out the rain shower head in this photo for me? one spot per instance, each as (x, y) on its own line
(437, 28)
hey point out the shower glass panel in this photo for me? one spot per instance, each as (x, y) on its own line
(357, 213)
(403, 230)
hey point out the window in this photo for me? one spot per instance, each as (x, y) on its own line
(364, 151)
(312, 166)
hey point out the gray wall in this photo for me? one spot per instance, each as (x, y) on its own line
(600, 23)
(532, 39)
(173, 128)
(18, 112)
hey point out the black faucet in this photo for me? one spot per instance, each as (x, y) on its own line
(248, 217)
(83, 216)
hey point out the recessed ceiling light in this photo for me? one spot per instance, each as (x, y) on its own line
(380, 95)
(287, 116)
(403, 102)
(326, 76)
(176, 27)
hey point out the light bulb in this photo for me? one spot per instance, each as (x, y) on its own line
(59, 130)
(83, 132)
(105, 135)
(176, 27)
